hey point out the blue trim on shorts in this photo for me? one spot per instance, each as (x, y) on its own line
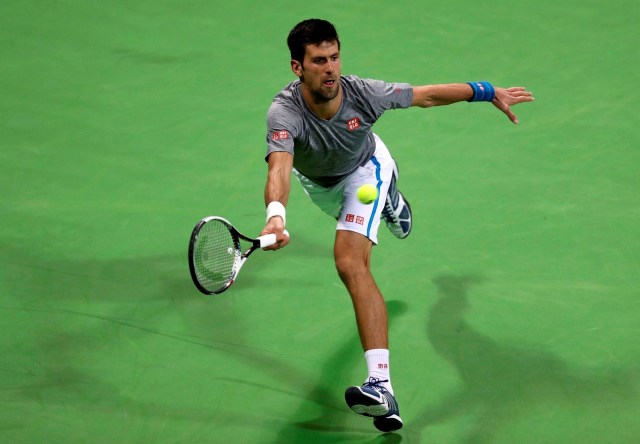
(375, 204)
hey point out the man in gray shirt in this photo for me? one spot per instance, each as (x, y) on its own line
(319, 128)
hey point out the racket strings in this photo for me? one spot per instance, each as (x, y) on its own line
(216, 255)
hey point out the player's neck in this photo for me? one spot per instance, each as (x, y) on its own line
(324, 109)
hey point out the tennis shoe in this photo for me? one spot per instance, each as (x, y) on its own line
(374, 400)
(397, 212)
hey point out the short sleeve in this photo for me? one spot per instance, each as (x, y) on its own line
(382, 95)
(282, 127)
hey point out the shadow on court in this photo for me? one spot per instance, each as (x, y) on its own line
(500, 384)
(93, 336)
(336, 422)
(80, 326)
(88, 334)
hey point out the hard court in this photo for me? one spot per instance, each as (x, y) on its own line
(514, 304)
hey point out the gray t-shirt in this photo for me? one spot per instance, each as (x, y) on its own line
(326, 151)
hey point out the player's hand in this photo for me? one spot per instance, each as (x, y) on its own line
(505, 98)
(276, 226)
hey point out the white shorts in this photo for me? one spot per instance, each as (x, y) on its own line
(340, 201)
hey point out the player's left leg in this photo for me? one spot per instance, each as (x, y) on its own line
(396, 211)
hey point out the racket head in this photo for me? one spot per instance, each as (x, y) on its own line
(214, 255)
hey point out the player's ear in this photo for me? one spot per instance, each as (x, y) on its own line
(296, 67)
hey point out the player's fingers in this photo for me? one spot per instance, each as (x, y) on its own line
(506, 109)
(510, 115)
(284, 241)
(281, 242)
(520, 94)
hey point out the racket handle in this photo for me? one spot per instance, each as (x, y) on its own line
(269, 239)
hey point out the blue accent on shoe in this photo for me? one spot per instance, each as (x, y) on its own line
(374, 400)
(397, 211)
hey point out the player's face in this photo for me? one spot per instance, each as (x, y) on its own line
(320, 71)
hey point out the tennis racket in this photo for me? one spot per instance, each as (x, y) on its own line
(215, 253)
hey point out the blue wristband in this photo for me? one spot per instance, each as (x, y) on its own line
(482, 92)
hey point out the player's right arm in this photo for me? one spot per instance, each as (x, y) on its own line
(276, 193)
(283, 123)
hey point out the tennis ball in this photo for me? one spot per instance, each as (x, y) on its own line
(367, 193)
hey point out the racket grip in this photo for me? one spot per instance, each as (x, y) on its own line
(269, 239)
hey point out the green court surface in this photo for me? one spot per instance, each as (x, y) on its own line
(514, 304)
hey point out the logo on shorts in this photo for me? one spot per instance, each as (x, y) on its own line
(353, 124)
(279, 135)
(353, 218)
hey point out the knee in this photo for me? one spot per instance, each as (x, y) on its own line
(350, 265)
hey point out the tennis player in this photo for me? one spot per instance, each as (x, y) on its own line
(319, 128)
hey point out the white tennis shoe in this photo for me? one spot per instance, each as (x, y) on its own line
(397, 212)
(372, 399)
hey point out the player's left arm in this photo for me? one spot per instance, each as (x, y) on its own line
(426, 96)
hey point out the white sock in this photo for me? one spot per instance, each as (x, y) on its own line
(378, 365)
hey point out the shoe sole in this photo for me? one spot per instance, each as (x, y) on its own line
(389, 423)
(363, 404)
(406, 202)
(396, 173)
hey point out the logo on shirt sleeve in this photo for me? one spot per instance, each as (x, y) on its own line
(279, 135)
(353, 124)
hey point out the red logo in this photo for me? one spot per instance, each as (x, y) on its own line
(353, 218)
(279, 135)
(383, 365)
(353, 124)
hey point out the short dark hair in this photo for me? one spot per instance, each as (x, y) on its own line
(310, 32)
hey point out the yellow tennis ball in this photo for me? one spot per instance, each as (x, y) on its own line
(367, 193)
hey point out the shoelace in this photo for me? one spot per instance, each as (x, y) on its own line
(392, 203)
(390, 213)
(375, 383)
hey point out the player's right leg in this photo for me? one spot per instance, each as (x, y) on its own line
(375, 397)
(356, 233)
